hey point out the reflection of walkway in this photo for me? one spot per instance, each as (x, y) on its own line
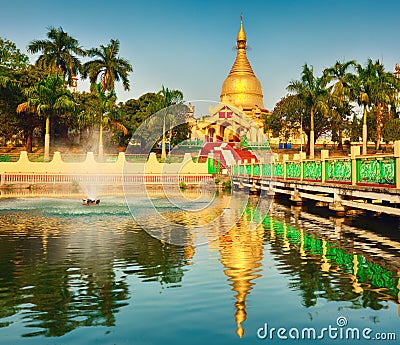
(241, 252)
(332, 267)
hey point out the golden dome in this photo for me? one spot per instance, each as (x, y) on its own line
(242, 88)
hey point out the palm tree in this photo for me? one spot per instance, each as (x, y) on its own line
(47, 98)
(365, 84)
(377, 88)
(105, 112)
(342, 92)
(170, 97)
(385, 93)
(58, 53)
(105, 104)
(107, 66)
(311, 91)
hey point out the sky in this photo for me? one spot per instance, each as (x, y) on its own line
(187, 45)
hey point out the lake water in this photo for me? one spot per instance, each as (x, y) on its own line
(90, 275)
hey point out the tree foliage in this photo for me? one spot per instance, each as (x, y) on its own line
(11, 57)
(59, 53)
(392, 130)
(48, 99)
(331, 99)
(341, 81)
(377, 90)
(107, 66)
(168, 106)
(309, 103)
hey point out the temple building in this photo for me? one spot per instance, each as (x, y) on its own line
(241, 109)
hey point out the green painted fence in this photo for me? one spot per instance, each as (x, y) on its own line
(312, 170)
(377, 171)
(214, 166)
(338, 170)
(371, 170)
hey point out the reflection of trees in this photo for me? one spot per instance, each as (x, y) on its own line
(153, 260)
(60, 276)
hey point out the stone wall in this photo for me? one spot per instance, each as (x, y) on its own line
(91, 167)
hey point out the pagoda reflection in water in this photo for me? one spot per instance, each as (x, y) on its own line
(241, 250)
(333, 267)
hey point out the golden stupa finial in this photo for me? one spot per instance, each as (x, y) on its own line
(241, 36)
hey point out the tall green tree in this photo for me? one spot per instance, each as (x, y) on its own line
(98, 108)
(386, 90)
(107, 67)
(342, 90)
(354, 129)
(133, 113)
(170, 97)
(311, 91)
(11, 57)
(291, 116)
(14, 76)
(288, 118)
(105, 106)
(377, 89)
(176, 133)
(392, 130)
(168, 105)
(59, 52)
(48, 98)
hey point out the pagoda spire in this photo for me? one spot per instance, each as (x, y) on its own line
(242, 88)
(241, 36)
(241, 64)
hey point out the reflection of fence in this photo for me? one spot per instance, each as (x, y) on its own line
(328, 252)
(357, 265)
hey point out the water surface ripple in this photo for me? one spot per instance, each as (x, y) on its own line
(90, 275)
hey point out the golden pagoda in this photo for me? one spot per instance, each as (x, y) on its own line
(241, 109)
(241, 88)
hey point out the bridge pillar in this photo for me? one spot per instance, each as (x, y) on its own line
(285, 158)
(397, 158)
(324, 156)
(354, 152)
(398, 295)
(336, 206)
(295, 197)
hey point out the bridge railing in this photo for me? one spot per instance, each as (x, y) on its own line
(372, 170)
